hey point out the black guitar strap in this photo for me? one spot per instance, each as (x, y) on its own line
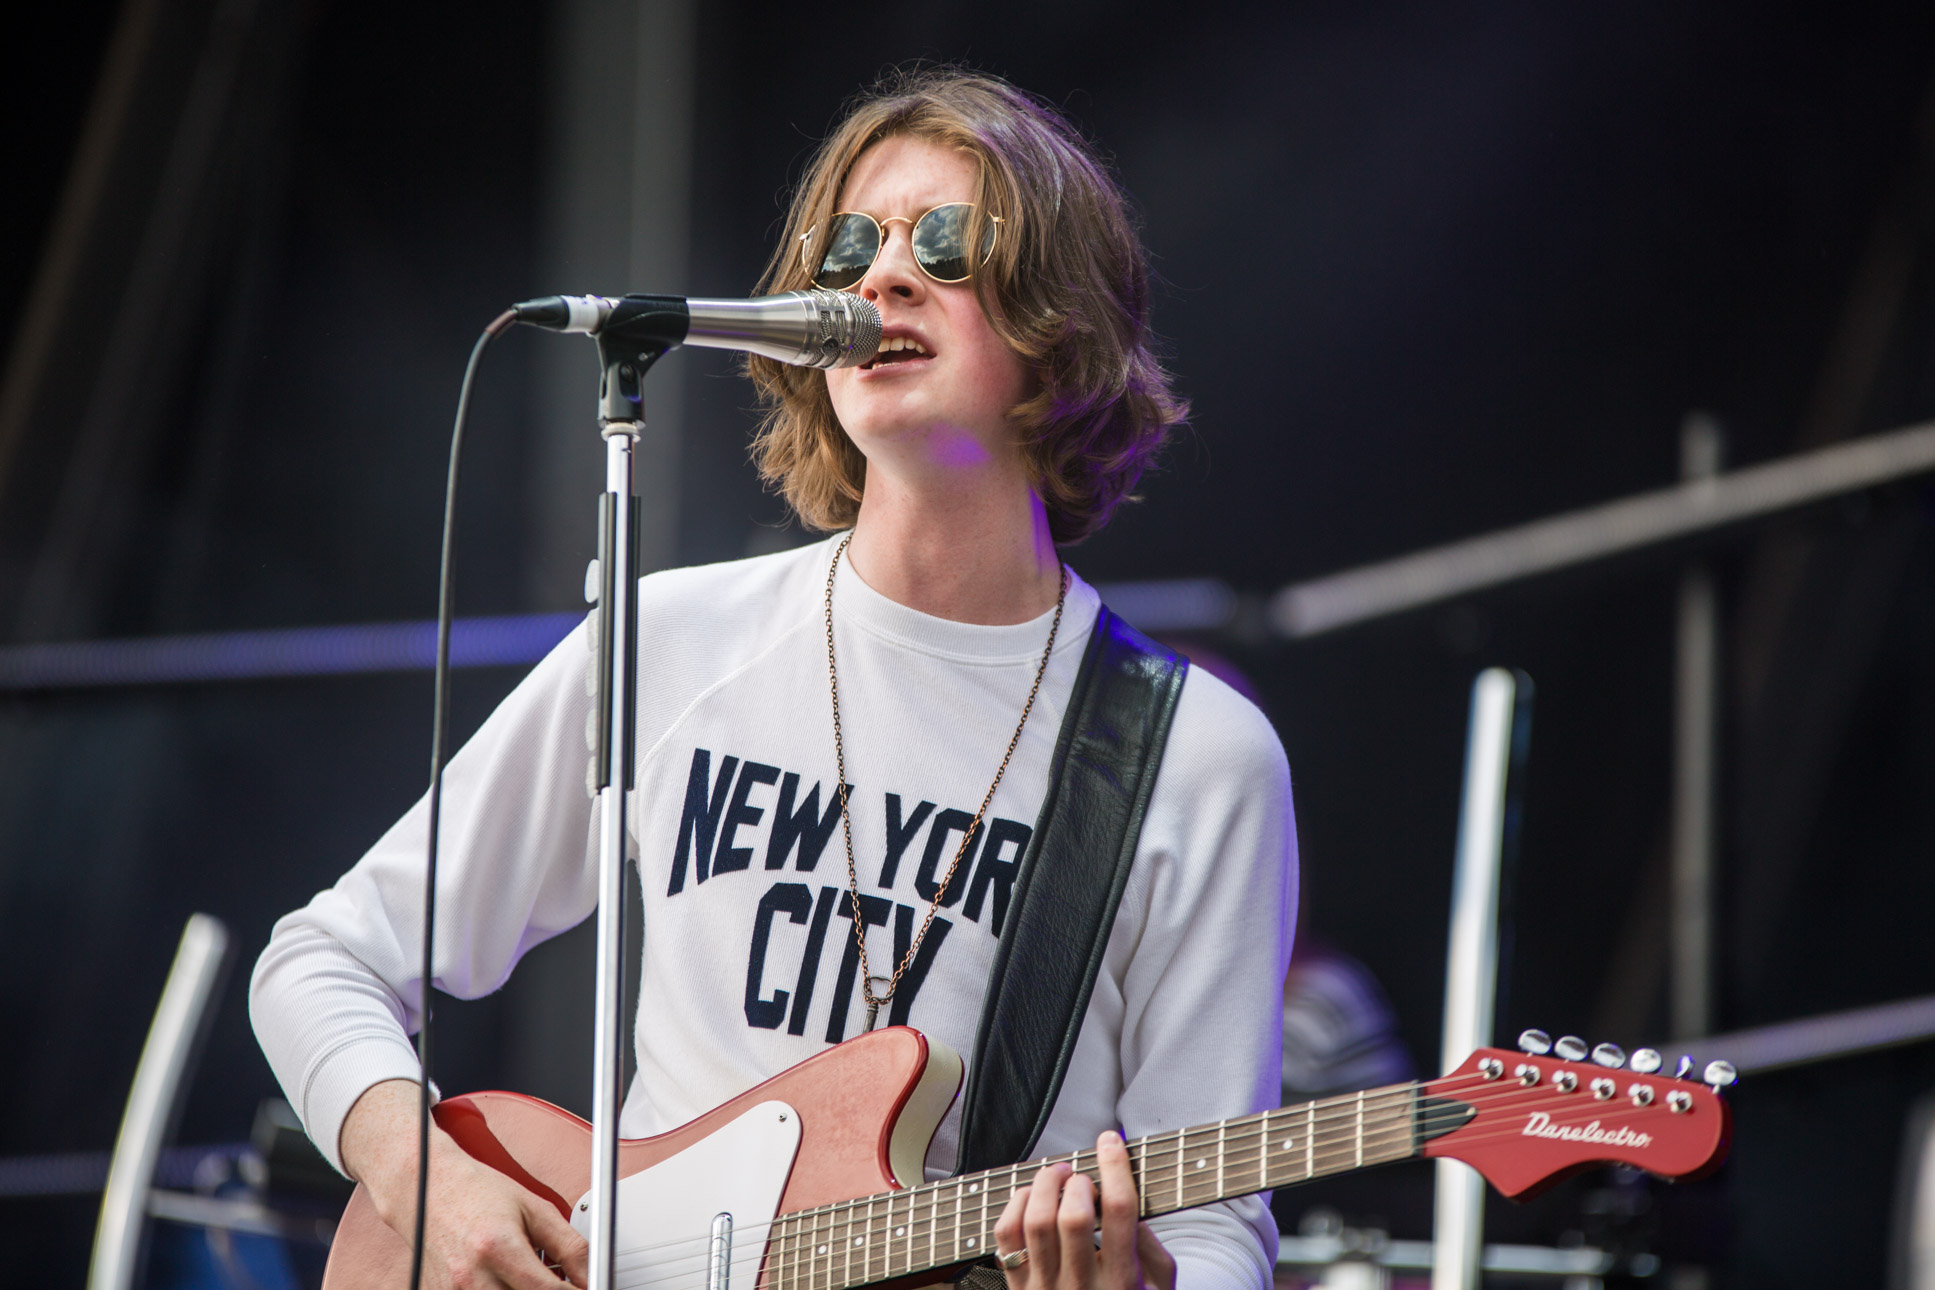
(1066, 892)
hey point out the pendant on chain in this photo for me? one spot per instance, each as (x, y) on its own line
(873, 1003)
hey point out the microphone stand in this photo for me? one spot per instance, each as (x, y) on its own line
(623, 363)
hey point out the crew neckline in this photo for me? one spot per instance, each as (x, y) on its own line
(857, 604)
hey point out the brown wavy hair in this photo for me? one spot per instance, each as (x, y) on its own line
(1067, 289)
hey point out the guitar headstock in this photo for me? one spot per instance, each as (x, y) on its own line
(1527, 1119)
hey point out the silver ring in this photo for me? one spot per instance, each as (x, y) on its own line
(1014, 1259)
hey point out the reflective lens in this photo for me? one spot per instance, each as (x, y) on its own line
(853, 242)
(940, 240)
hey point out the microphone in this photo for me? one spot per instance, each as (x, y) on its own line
(805, 328)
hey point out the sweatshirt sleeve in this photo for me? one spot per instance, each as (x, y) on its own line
(339, 990)
(1201, 1037)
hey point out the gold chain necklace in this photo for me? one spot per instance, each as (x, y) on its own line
(967, 839)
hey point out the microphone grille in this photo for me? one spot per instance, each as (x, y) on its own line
(853, 327)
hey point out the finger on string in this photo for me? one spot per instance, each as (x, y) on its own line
(1120, 1208)
(560, 1241)
(1008, 1235)
(1075, 1230)
(1038, 1221)
(515, 1263)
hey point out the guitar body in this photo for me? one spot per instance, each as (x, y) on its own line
(866, 1112)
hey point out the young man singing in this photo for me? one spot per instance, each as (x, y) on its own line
(924, 654)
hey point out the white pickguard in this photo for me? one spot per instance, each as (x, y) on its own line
(665, 1213)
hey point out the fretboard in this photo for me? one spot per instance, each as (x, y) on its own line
(894, 1234)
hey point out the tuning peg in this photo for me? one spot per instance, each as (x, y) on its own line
(1685, 1068)
(1572, 1048)
(1535, 1042)
(1611, 1056)
(1720, 1074)
(1644, 1061)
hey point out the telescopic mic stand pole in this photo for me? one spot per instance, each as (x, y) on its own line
(621, 418)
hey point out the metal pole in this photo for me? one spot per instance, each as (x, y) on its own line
(617, 615)
(1494, 745)
(1695, 711)
(165, 1059)
(1598, 532)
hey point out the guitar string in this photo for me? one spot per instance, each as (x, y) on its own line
(1252, 1129)
(788, 1265)
(1401, 1120)
(1396, 1131)
(886, 1252)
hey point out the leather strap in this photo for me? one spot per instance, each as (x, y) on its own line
(1067, 890)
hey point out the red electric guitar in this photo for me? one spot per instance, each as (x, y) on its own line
(813, 1180)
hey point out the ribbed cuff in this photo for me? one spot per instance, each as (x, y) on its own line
(345, 1074)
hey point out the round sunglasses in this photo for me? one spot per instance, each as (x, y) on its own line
(940, 241)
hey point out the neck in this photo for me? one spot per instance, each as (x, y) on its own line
(943, 1223)
(970, 555)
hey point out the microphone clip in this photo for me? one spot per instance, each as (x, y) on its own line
(635, 334)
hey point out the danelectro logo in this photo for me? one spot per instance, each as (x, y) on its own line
(1539, 1125)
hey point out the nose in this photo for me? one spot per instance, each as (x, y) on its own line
(894, 272)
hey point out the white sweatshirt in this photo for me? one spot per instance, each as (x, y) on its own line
(749, 958)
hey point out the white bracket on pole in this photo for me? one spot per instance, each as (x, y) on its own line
(1494, 752)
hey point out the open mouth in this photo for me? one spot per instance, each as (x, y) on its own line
(897, 349)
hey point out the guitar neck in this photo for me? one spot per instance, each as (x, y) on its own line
(894, 1234)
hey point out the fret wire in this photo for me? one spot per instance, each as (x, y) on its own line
(878, 1241)
(969, 1198)
(1181, 1151)
(1310, 1141)
(863, 1241)
(981, 1224)
(830, 1241)
(913, 1229)
(919, 1240)
(846, 1246)
(906, 1231)
(1222, 1133)
(821, 1274)
(934, 1222)
(957, 1222)
(860, 1212)
(867, 1242)
(1142, 1177)
(806, 1226)
(843, 1224)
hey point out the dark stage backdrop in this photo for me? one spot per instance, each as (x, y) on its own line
(1424, 271)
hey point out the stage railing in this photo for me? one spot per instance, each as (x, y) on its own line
(154, 1100)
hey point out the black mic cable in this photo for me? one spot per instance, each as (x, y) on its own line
(440, 724)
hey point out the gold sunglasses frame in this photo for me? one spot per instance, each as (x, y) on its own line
(880, 228)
